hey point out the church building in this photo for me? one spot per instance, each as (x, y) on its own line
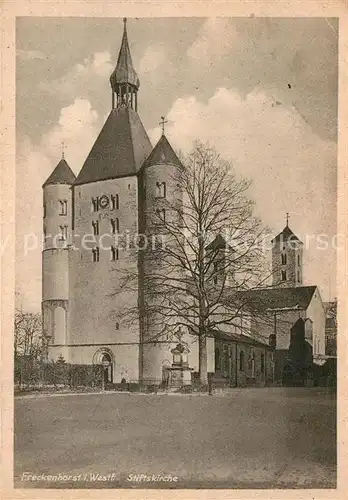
(274, 310)
(123, 181)
(90, 222)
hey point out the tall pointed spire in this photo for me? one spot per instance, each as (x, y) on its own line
(63, 147)
(124, 79)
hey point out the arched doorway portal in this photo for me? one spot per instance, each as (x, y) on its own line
(107, 368)
(104, 357)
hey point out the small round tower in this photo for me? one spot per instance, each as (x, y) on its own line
(57, 232)
(161, 205)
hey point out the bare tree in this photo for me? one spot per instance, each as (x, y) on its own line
(27, 334)
(207, 249)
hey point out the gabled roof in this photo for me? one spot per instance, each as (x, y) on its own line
(298, 326)
(120, 148)
(218, 242)
(233, 337)
(124, 71)
(263, 299)
(286, 235)
(162, 153)
(62, 174)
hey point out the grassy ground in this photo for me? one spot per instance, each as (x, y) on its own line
(250, 438)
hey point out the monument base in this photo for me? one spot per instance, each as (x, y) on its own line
(180, 376)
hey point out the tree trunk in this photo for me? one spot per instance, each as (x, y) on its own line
(203, 372)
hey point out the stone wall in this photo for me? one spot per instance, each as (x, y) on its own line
(239, 364)
(99, 312)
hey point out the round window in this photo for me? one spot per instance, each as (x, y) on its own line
(103, 201)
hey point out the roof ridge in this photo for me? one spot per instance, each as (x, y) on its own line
(279, 297)
(275, 287)
(131, 133)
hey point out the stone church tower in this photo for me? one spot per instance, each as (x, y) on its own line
(57, 229)
(161, 202)
(287, 259)
(123, 184)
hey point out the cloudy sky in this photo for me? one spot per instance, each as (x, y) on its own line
(262, 91)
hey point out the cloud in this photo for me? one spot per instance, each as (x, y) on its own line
(270, 54)
(78, 125)
(101, 63)
(153, 57)
(83, 78)
(29, 55)
(214, 39)
(292, 168)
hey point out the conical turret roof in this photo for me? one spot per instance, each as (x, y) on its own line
(162, 153)
(124, 71)
(62, 174)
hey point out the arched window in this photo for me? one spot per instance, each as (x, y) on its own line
(94, 204)
(115, 202)
(63, 207)
(160, 189)
(161, 214)
(63, 233)
(226, 359)
(95, 226)
(114, 254)
(59, 325)
(217, 359)
(252, 362)
(283, 275)
(284, 258)
(106, 358)
(241, 361)
(262, 363)
(107, 367)
(115, 225)
(47, 321)
(95, 254)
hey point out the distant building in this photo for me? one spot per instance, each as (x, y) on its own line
(275, 310)
(242, 361)
(331, 328)
(287, 259)
(298, 369)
